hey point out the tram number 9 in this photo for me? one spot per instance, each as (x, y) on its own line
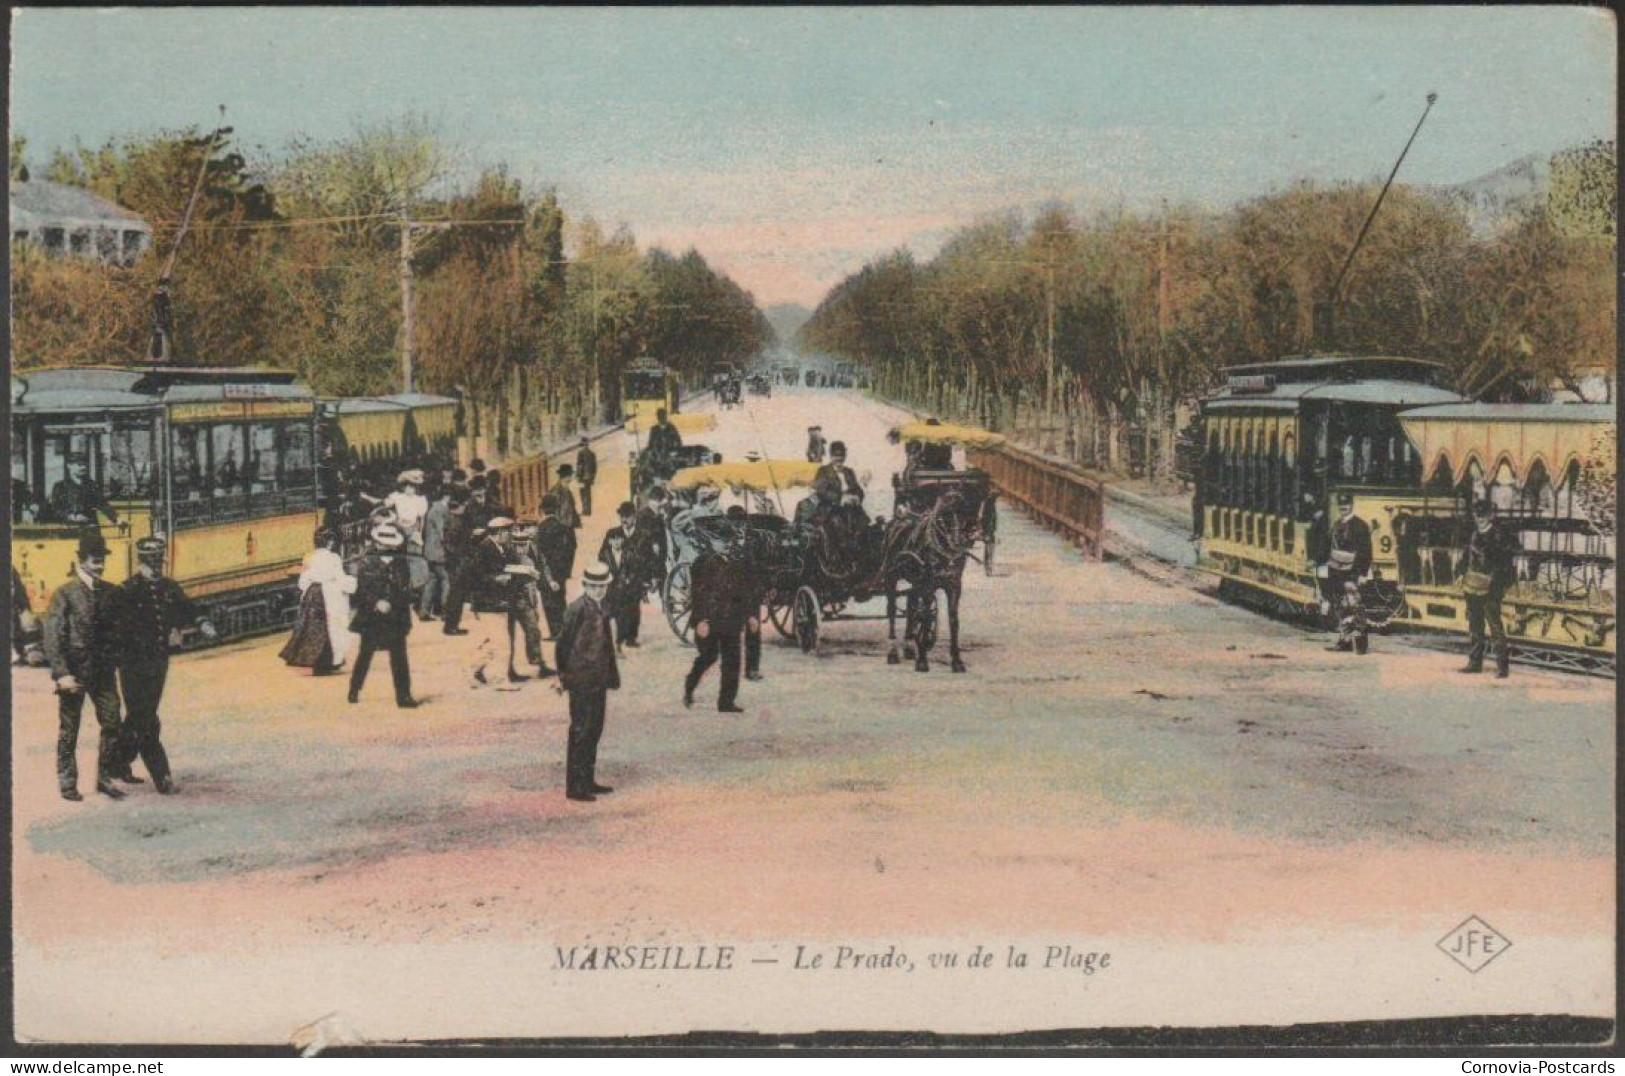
(1386, 545)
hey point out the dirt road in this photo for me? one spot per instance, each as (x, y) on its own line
(1257, 830)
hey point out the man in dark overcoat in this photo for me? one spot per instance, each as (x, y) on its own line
(722, 594)
(588, 672)
(81, 645)
(1350, 561)
(555, 547)
(586, 474)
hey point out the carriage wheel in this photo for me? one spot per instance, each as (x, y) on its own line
(679, 603)
(806, 619)
(780, 609)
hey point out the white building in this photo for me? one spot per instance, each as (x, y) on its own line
(67, 220)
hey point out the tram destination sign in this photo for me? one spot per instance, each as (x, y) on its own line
(1252, 384)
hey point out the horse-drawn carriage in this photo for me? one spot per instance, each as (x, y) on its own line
(771, 544)
(833, 557)
(760, 385)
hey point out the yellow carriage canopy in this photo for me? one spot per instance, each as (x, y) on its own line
(760, 475)
(1457, 436)
(944, 434)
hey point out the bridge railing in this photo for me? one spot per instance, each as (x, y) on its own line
(1053, 492)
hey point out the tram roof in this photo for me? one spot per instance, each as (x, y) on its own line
(1290, 396)
(107, 388)
(1514, 435)
(1322, 365)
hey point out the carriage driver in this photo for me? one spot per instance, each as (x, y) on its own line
(1348, 562)
(936, 457)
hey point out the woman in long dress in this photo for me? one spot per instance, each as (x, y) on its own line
(410, 506)
(321, 636)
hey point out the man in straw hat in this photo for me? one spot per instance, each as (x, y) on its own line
(151, 606)
(502, 578)
(80, 640)
(383, 613)
(587, 670)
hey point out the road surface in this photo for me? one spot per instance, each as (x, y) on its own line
(1257, 830)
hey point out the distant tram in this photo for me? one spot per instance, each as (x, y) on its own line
(1281, 440)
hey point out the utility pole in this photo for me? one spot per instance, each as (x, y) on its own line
(408, 315)
(1049, 321)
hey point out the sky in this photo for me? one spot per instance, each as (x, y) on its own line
(792, 145)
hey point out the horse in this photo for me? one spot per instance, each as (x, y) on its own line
(924, 553)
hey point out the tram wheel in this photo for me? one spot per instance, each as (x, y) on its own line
(806, 619)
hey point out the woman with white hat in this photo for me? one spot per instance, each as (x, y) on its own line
(410, 506)
(321, 637)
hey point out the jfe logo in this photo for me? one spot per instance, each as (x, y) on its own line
(1474, 944)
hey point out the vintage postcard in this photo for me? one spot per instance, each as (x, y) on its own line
(845, 525)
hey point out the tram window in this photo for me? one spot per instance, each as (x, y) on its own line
(298, 456)
(189, 462)
(226, 453)
(130, 463)
(261, 465)
(25, 502)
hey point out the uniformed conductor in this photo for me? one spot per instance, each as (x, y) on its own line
(587, 670)
(79, 642)
(150, 606)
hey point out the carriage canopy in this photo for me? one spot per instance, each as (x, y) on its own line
(762, 475)
(963, 436)
(1517, 435)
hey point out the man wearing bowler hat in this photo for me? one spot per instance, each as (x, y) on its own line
(150, 607)
(383, 613)
(1488, 570)
(80, 633)
(587, 670)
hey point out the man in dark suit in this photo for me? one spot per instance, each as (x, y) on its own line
(1488, 570)
(383, 613)
(502, 578)
(586, 474)
(150, 607)
(555, 548)
(1350, 562)
(565, 499)
(587, 670)
(721, 594)
(620, 554)
(80, 643)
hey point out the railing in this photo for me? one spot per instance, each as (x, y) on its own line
(1056, 494)
(522, 484)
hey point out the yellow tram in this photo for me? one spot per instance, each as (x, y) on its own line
(385, 429)
(1282, 439)
(221, 461)
(648, 387)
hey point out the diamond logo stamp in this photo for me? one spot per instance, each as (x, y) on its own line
(1474, 943)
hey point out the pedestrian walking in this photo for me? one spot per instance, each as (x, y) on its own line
(383, 613)
(555, 547)
(1488, 569)
(629, 554)
(80, 644)
(586, 474)
(565, 499)
(721, 596)
(502, 578)
(588, 672)
(150, 607)
(321, 637)
(432, 600)
(815, 444)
